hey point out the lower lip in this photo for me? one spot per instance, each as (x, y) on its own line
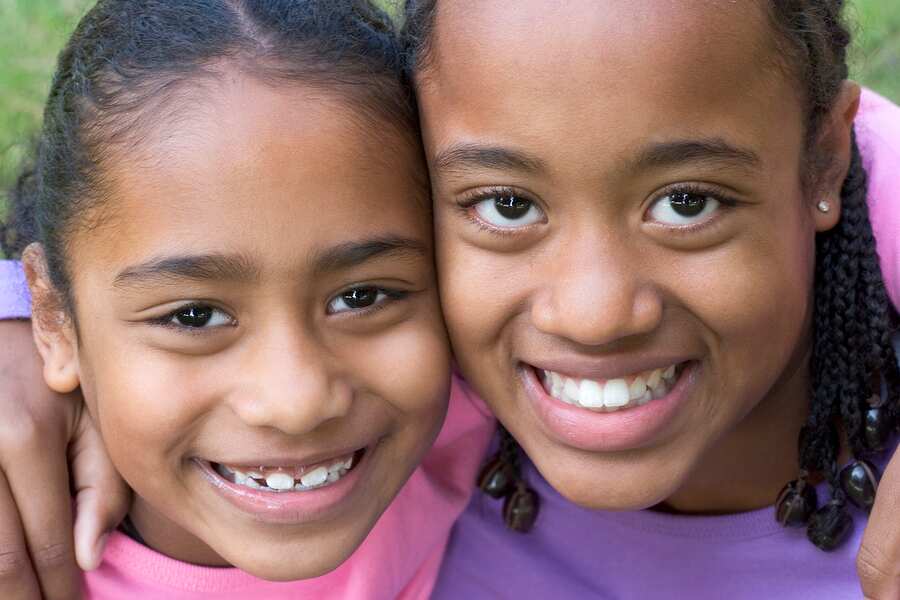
(288, 507)
(605, 431)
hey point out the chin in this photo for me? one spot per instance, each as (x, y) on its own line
(287, 564)
(620, 487)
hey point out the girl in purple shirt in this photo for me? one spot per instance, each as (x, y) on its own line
(674, 275)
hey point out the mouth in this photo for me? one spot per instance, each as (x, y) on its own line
(298, 478)
(624, 412)
(611, 395)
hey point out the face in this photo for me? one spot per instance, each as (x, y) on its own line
(624, 247)
(258, 334)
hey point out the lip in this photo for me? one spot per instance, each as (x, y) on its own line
(615, 431)
(290, 508)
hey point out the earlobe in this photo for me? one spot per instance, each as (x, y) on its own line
(835, 142)
(53, 330)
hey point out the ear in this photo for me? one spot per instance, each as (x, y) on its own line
(54, 331)
(834, 143)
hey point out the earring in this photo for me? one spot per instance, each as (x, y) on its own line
(824, 206)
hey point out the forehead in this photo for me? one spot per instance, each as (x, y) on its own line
(540, 70)
(274, 172)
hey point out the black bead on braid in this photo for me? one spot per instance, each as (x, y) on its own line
(852, 358)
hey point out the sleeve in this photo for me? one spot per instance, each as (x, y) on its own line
(15, 301)
(878, 136)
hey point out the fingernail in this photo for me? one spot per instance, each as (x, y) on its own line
(98, 550)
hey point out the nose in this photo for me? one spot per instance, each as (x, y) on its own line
(291, 386)
(595, 292)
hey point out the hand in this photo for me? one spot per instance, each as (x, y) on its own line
(878, 561)
(39, 431)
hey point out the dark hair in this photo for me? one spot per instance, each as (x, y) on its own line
(129, 62)
(855, 376)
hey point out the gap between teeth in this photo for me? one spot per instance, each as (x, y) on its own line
(280, 481)
(613, 394)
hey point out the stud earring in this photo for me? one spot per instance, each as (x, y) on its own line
(824, 206)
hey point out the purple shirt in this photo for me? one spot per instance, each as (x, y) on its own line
(575, 553)
(15, 302)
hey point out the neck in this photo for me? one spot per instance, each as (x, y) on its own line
(167, 537)
(747, 468)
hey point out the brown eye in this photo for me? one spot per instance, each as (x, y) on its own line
(683, 208)
(197, 316)
(508, 211)
(360, 297)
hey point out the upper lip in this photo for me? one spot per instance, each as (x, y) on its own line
(605, 368)
(286, 461)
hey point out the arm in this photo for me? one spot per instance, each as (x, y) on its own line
(878, 133)
(38, 429)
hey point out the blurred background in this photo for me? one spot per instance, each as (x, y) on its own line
(33, 31)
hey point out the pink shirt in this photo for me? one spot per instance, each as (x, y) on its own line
(399, 559)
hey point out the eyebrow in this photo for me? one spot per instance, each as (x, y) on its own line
(197, 267)
(459, 157)
(714, 151)
(351, 254)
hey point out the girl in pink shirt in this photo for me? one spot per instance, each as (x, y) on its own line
(231, 256)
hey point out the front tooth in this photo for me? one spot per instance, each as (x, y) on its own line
(590, 394)
(317, 476)
(279, 481)
(654, 378)
(570, 391)
(669, 373)
(615, 393)
(637, 388)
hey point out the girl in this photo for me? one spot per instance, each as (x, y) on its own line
(676, 280)
(233, 258)
(499, 567)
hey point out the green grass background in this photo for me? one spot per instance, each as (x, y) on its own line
(33, 31)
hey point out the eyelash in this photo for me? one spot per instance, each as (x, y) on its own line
(466, 204)
(167, 320)
(392, 294)
(726, 201)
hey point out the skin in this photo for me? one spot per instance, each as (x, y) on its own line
(268, 197)
(880, 553)
(597, 280)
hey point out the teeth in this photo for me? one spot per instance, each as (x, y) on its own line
(590, 394)
(280, 481)
(616, 393)
(317, 476)
(637, 388)
(613, 394)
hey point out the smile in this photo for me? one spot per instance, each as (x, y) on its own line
(287, 479)
(611, 394)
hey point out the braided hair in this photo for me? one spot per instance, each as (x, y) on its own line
(855, 375)
(131, 63)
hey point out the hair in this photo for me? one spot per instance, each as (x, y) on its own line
(131, 64)
(853, 366)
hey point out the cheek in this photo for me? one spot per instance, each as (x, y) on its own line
(407, 366)
(145, 420)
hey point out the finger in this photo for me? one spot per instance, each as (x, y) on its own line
(38, 477)
(878, 560)
(101, 496)
(17, 578)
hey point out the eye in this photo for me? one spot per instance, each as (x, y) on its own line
(360, 298)
(507, 210)
(683, 208)
(199, 316)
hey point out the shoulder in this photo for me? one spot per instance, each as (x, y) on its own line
(878, 136)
